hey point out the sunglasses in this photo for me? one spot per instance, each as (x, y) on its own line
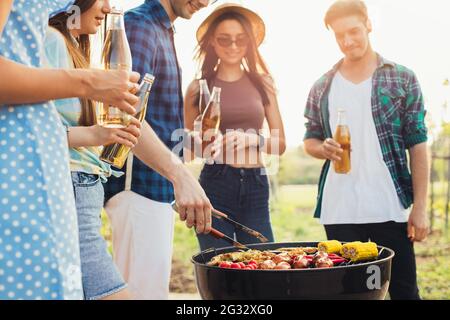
(228, 42)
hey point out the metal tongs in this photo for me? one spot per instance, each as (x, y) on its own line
(219, 235)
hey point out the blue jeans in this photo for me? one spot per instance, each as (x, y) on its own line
(100, 275)
(243, 194)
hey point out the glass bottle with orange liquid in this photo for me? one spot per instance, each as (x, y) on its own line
(116, 154)
(116, 55)
(205, 96)
(211, 119)
(342, 136)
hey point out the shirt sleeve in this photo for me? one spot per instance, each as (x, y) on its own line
(57, 6)
(414, 129)
(57, 57)
(314, 129)
(143, 45)
(56, 53)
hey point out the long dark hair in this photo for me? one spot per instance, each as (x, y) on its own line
(80, 53)
(253, 63)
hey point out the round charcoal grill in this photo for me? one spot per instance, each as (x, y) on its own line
(367, 280)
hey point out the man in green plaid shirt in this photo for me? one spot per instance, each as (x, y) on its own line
(385, 113)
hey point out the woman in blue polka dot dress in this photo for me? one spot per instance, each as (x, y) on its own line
(39, 252)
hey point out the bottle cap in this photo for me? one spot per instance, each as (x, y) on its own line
(149, 77)
(116, 10)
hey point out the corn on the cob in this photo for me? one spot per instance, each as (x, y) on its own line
(363, 251)
(346, 247)
(331, 246)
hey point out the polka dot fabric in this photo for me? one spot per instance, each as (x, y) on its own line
(39, 251)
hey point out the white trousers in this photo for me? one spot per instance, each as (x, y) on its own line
(142, 231)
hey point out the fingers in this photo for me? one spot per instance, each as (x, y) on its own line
(122, 136)
(190, 217)
(199, 218)
(332, 149)
(133, 88)
(135, 122)
(331, 142)
(125, 106)
(131, 99)
(208, 219)
(203, 216)
(134, 76)
(421, 234)
(182, 213)
(196, 214)
(411, 232)
(134, 131)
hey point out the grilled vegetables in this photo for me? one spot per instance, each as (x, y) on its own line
(331, 246)
(327, 254)
(362, 251)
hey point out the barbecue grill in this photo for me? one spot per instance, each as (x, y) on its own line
(365, 280)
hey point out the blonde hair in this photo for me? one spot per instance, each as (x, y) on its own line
(344, 8)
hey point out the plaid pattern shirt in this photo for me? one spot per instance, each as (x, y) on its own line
(398, 113)
(150, 34)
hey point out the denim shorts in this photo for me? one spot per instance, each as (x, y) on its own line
(100, 275)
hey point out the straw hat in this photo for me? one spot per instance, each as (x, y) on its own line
(258, 26)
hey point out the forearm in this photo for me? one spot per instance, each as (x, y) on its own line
(156, 155)
(81, 137)
(314, 148)
(35, 83)
(420, 171)
(274, 145)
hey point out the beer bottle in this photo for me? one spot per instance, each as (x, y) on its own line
(205, 96)
(342, 136)
(116, 154)
(116, 55)
(211, 119)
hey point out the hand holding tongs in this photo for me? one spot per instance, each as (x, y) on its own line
(219, 235)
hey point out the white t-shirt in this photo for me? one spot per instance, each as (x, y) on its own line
(367, 194)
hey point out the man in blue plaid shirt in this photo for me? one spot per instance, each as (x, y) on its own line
(385, 113)
(138, 204)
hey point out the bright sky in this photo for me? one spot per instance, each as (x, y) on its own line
(298, 49)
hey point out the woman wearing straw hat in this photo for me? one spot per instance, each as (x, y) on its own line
(228, 57)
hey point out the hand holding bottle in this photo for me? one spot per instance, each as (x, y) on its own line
(112, 87)
(331, 150)
(126, 136)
